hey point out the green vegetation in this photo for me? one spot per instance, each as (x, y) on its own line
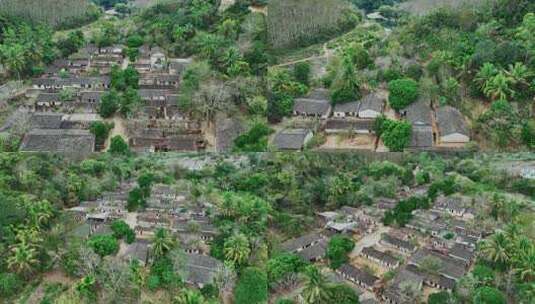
(252, 287)
(403, 92)
(254, 140)
(104, 244)
(338, 249)
(396, 135)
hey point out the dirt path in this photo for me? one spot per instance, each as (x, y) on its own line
(118, 129)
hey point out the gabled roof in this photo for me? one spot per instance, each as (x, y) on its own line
(352, 107)
(451, 121)
(312, 106)
(47, 97)
(56, 140)
(300, 242)
(349, 125)
(319, 94)
(397, 242)
(421, 136)
(291, 139)
(358, 274)
(372, 102)
(227, 130)
(419, 113)
(317, 250)
(46, 120)
(201, 269)
(382, 256)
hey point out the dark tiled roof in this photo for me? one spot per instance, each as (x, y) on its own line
(301, 242)
(347, 124)
(312, 106)
(382, 256)
(421, 137)
(372, 102)
(227, 129)
(419, 113)
(291, 139)
(347, 107)
(358, 274)
(315, 251)
(397, 242)
(46, 120)
(63, 141)
(139, 250)
(450, 121)
(47, 97)
(319, 94)
(451, 267)
(201, 269)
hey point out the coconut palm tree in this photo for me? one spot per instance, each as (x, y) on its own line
(496, 249)
(23, 259)
(525, 264)
(189, 296)
(519, 72)
(315, 291)
(499, 87)
(237, 249)
(487, 71)
(162, 243)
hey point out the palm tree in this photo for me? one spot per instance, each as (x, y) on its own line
(315, 291)
(487, 71)
(496, 249)
(237, 249)
(525, 264)
(499, 87)
(23, 258)
(162, 243)
(189, 296)
(519, 72)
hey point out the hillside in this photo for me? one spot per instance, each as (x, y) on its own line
(52, 12)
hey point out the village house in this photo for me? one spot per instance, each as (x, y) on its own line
(137, 251)
(357, 276)
(312, 108)
(450, 267)
(227, 130)
(452, 126)
(371, 106)
(419, 115)
(173, 143)
(111, 50)
(47, 100)
(149, 95)
(433, 280)
(200, 270)
(72, 142)
(346, 109)
(159, 81)
(393, 293)
(178, 65)
(203, 231)
(454, 205)
(463, 253)
(356, 126)
(292, 139)
(381, 258)
(300, 243)
(314, 253)
(401, 245)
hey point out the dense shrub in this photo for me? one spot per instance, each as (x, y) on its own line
(403, 92)
(252, 287)
(103, 245)
(338, 249)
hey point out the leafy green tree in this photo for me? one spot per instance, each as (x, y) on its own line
(396, 135)
(70, 44)
(118, 146)
(189, 296)
(488, 295)
(302, 72)
(343, 294)
(338, 249)
(345, 87)
(109, 104)
(129, 100)
(255, 140)
(122, 230)
(237, 249)
(252, 287)
(403, 92)
(284, 267)
(484, 274)
(101, 130)
(103, 245)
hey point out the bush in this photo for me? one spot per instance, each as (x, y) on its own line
(442, 297)
(302, 73)
(255, 140)
(122, 230)
(488, 295)
(403, 92)
(528, 133)
(337, 250)
(396, 135)
(109, 104)
(9, 284)
(252, 287)
(118, 146)
(101, 130)
(104, 245)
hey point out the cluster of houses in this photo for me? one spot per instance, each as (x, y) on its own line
(442, 237)
(441, 127)
(77, 84)
(167, 208)
(60, 132)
